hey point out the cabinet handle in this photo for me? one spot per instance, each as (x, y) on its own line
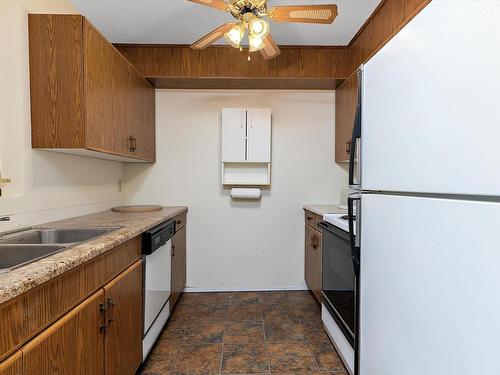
(348, 146)
(314, 242)
(102, 309)
(110, 306)
(309, 218)
(178, 222)
(132, 143)
(173, 250)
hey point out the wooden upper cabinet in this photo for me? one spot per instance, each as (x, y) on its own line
(73, 345)
(12, 365)
(139, 92)
(346, 101)
(86, 98)
(123, 340)
(178, 278)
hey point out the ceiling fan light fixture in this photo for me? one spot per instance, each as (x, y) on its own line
(258, 27)
(255, 44)
(235, 36)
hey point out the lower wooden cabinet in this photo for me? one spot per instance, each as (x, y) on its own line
(73, 345)
(123, 338)
(100, 336)
(13, 365)
(178, 281)
(313, 254)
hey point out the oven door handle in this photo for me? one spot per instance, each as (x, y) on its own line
(323, 225)
(355, 248)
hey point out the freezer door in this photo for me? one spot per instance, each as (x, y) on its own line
(429, 281)
(430, 114)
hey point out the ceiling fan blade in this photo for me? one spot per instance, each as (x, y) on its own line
(212, 36)
(270, 49)
(217, 4)
(324, 13)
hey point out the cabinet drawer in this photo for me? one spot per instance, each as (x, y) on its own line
(312, 219)
(180, 221)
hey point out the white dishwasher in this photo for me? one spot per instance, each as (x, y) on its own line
(157, 257)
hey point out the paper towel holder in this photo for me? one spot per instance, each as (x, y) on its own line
(246, 193)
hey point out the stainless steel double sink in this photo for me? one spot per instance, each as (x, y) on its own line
(26, 246)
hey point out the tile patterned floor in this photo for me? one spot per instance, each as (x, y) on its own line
(244, 333)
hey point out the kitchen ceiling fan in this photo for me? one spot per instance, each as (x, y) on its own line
(252, 21)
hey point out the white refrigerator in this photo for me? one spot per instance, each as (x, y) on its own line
(428, 202)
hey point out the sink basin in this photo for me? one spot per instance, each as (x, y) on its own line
(20, 248)
(55, 236)
(13, 256)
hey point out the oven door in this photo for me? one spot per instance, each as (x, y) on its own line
(339, 279)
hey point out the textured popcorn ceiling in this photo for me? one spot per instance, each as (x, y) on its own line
(182, 22)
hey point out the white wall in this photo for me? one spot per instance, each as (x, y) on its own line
(45, 186)
(241, 245)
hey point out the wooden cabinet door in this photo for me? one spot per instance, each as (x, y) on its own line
(12, 365)
(140, 115)
(313, 269)
(56, 81)
(346, 101)
(72, 345)
(178, 265)
(105, 75)
(147, 149)
(123, 339)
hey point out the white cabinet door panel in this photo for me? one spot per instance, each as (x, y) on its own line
(233, 135)
(259, 135)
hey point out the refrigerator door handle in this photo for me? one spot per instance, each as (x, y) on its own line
(354, 152)
(354, 143)
(352, 201)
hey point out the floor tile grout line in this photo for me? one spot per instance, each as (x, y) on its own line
(176, 356)
(223, 341)
(310, 349)
(265, 341)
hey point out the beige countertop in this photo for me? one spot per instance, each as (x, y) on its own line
(322, 209)
(22, 279)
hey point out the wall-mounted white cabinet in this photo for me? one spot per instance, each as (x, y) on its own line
(246, 135)
(246, 146)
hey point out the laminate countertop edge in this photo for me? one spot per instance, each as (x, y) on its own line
(322, 209)
(22, 279)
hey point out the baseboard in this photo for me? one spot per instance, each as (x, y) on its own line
(192, 289)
